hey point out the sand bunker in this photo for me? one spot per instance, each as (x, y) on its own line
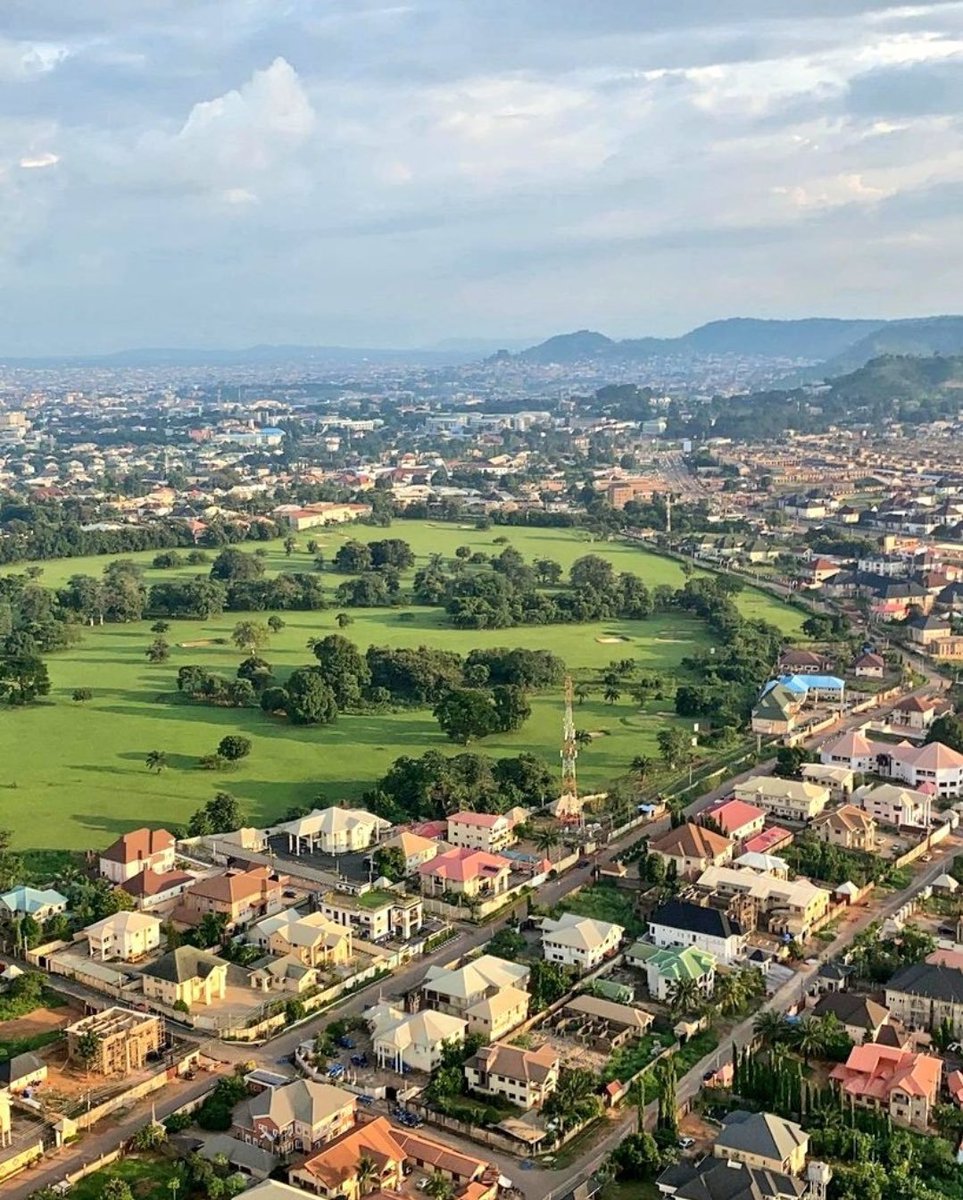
(194, 645)
(610, 641)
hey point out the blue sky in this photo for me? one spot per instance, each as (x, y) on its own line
(226, 172)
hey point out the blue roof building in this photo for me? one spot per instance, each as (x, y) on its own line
(39, 903)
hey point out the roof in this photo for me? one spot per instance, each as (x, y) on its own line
(769, 864)
(338, 1160)
(29, 900)
(771, 786)
(801, 658)
(847, 817)
(530, 1066)
(20, 1067)
(505, 1000)
(675, 963)
(330, 821)
(124, 922)
(485, 820)
(155, 883)
(693, 918)
(819, 683)
(184, 963)
(303, 1100)
(234, 886)
(875, 1071)
(239, 1154)
(721, 1179)
(735, 814)
(617, 1014)
(137, 845)
(461, 864)
(799, 892)
(423, 1028)
(761, 843)
(579, 933)
(438, 1155)
(870, 660)
(412, 843)
(479, 975)
(691, 841)
(929, 980)
(763, 1134)
(851, 1009)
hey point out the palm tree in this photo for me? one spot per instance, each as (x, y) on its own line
(156, 761)
(611, 693)
(809, 1038)
(546, 840)
(770, 1027)
(730, 993)
(583, 737)
(582, 692)
(685, 995)
(366, 1173)
(641, 766)
(439, 1187)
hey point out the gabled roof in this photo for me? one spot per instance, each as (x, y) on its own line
(876, 1071)
(528, 1066)
(137, 845)
(691, 841)
(763, 1134)
(184, 963)
(851, 1009)
(423, 1028)
(338, 1161)
(155, 883)
(29, 900)
(482, 820)
(19, 1067)
(231, 887)
(461, 865)
(303, 1100)
(579, 933)
(693, 918)
(482, 973)
(930, 981)
(735, 814)
(721, 1179)
(847, 817)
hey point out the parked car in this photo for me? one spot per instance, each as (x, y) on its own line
(685, 1143)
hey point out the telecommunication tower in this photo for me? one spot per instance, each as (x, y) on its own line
(569, 745)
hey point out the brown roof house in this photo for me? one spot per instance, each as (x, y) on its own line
(298, 1116)
(140, 850)
(692, 849)
(848, 826)
(525, 1077)
(240, 896)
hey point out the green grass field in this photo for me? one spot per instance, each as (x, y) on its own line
(73, 776)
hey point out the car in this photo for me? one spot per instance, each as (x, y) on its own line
(422, 1183)
(685, 1143)
(956, 1047)
(584, 862)
(708, 1075)
(347, 1043)
(366, 1100)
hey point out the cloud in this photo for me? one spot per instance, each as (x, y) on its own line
(242, 170)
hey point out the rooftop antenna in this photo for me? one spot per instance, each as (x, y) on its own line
(569, 752)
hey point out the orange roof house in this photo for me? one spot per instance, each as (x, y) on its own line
(464, 871)
(897, 1081)
(333, 1171)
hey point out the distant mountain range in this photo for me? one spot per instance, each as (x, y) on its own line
(835, 345)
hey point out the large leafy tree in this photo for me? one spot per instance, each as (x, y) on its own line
(310, 700)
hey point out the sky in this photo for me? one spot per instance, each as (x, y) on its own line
(221, 173)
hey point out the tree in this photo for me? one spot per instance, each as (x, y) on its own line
(290, 545)
(343, 668)
(439, 1187)
(82, 694)
(87, 1047)
(592, 571)
(611, 693)
(275, 623)
(234, 566)
(947, 729)
(353, 558)
(512, 709)
(575, 1101)
(160, 627)
(547, 838)
(808, 1036)
(641, 766)
(673, 745)
(547, 983)
(390, 861)
(685, 995)
(234, 747)
(771, 1027)
(23, 678)
(158, 651)
(344, 620)
(636, 1158)
(668, 1118)
(466, 714)
(223, 814)
(156, 761)
(211, 930)
(367, 1174)
(250, 636)
(309, 699)
(582, 692)
(506, 944)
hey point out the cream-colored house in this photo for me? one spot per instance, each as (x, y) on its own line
(524, 1077)
(299, 1116)
(488, 992)
(691, 848)
(376, 915)
(414, 1040)
(764, 1141)
(578, 941)
(481, 831)
(850, 827)
(333, 831)
(788, 799)
(839, 780)
(126, 935)
(186, 975)
(791, 906)
(417, 849)
(315, 940)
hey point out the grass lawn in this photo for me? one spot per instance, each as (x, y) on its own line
(27, 1044)
(72, 776)
(634, 1189)
(147, 1177)
(604, 903)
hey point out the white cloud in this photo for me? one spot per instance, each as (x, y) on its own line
(37, 162)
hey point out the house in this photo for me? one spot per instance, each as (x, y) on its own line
(155, 890)
(919, 712)
(763, 1141)
(578, 941)
(416, 849)
(488, 992)
(793, 661)
(39, 903)
(333, 831)
(523, 1077)
(691, 848)
(122, 1040)
(680, 923)
(934, 763)
(737, 820)
(768, 864)
(239, 896)
(481, 831)
(286, 974)
(126, 935)
(376, 915)
(314, 940)
(839, 780)
(890, 804)
(787, 799)
(869, 666)
(471, 1178)
(186, 976)
(717, 1179)
(924, 630)
(776, 711)
(788, 907)
(850, 827)
(862, 1017)
(473, 874)
(270, 1189)
(242, 1157)
(892, 1080)
(140, 850)
(22, 1071)
(772, 839)
(334, 1170)
(298, 1116)
(668, 967)
(416, 1040)
(925, 995)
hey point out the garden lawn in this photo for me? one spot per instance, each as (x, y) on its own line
(147, 1177)
(72, 775)
(605, 903)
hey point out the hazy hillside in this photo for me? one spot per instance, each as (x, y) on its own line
(929, 335)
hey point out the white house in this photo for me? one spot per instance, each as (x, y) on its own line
(934, 764)
(333, 831)
(481, 831)
(578, 941)
(789, 799)
(140, 850)
(891, 804)
(126, 935)
(679, 923)
(39, 903)
(414, 1040)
